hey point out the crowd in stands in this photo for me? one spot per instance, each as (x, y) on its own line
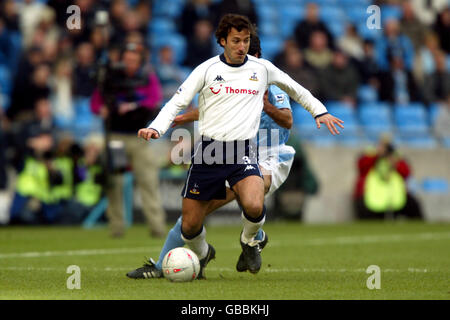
(48, 71)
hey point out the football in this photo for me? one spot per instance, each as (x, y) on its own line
(180, 265)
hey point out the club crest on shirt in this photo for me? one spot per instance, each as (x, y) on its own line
(254, 77)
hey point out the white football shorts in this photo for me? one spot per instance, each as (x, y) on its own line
(277, 160)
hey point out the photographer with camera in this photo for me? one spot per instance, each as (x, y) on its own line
(128, 97)
(381, 188)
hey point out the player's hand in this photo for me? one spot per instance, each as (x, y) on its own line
(331, 122)
(180, 120)
(148, 134)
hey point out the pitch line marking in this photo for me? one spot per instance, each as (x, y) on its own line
(312, 242)
(224, 269)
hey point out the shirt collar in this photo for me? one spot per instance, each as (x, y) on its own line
(222, 58)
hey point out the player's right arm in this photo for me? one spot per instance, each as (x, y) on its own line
(180, 100)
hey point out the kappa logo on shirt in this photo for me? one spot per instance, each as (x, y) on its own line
(219, 78)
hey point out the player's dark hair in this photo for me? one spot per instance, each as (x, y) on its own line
(255, 46)
(229, 21)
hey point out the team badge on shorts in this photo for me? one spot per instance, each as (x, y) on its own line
(195, 190)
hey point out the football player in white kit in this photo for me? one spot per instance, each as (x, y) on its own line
(231, 90)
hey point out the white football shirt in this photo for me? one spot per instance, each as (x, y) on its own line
(230, 98)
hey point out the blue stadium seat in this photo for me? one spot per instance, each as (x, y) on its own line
(356, 13)
(375, 112)
(366, 93)
(270, 46)
(176, 41)
(267, 12)
(435, 185)
(366, 33)
(303, 122)
(434, 110)
(172, 8)
(332, 13)
(291, 16)
(375, 119)
(411, 119)
(269, 29)
(162, 25)
(337, 28)
(390, 12)
(424, 141)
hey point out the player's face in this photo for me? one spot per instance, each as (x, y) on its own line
(236, 45)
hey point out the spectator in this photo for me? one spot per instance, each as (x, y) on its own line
(367, 66)
(412, 27)
(6, 53)
(130, 22)
(129, 110)
(99, 39)
(293, 64)
(22, 104)
(60, 8)
(170, 75)
(351, 43)
(442, 28)
(280, 58)
(340, 81)
(394, 43)
(318, 55)
(193, 11)
(34, 200)
(425, 61)
(9, 14)
(436, 85)
(381, 189)
(200, 46)
(243, 7)
(88, 180)
(62, 95)
(84, 70)
(305, 28)
(397, 85)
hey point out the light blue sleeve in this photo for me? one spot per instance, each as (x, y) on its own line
(279, 98)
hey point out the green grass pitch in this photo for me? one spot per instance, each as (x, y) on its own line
(299, 262)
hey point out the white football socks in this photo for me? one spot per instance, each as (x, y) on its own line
(251, 227)
(198, 244)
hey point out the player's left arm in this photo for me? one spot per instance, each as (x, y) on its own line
(282, 114)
